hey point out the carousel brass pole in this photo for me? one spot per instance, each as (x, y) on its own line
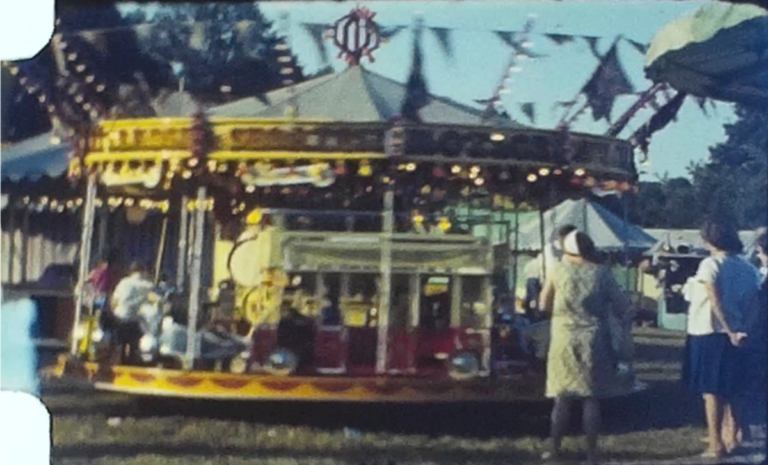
(195, 270)
(181, 259)
(385, 289)
(516, 255)
(625, 207)
(161, 249)
(542, 237)
(85, 254)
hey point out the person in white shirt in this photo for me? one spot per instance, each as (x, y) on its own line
(131, 293)
(721, 296)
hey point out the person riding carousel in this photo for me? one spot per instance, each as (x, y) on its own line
(131, 293)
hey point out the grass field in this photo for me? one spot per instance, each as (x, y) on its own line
(660, 424)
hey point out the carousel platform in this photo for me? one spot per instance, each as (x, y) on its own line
(144, 381)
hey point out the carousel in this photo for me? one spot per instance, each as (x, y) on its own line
(316, 254)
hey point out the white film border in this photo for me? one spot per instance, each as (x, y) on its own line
(25, 430)
(26, 27)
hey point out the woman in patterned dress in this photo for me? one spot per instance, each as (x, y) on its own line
(581, 295)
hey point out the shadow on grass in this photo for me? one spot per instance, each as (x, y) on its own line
(348, 454)
(466, 420)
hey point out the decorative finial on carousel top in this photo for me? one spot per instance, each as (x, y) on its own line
(356, 35)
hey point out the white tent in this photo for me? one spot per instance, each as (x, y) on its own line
(672, 239)
(609, 232)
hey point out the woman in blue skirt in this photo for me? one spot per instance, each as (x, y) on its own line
(721, 296)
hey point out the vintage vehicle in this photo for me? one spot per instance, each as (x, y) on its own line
(441, 301)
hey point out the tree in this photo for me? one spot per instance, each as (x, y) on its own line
(668, 203)
(733, 183)
(222, 50)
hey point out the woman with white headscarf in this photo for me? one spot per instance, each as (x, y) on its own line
(581, 294)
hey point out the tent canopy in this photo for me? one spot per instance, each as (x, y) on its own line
(609, 232)
(721, 52)
(35, 157)
(691, 239)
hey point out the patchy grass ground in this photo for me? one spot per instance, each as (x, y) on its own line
(660, 424)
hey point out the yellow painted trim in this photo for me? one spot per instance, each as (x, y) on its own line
(161, 155)
(144, 155)
(145, 123)
(227, 155)
(305, 388)
(232, 122)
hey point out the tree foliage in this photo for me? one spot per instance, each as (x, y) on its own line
(223, 51)
(215, 46)
(730, 185)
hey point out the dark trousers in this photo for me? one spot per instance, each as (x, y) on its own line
(127, 335)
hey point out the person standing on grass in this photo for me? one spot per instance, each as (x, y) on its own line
(582, 362)
(725, 287)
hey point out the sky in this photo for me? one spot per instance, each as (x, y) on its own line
(481, 58)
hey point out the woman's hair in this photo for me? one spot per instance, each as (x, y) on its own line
(722, 236)
(586, 247)
(564, 230)
(137, 267)
(762, 242)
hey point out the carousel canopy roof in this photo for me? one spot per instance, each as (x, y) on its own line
(35, 157)
(355, 95)
(721, 52)
(175, 104)
(607, 230)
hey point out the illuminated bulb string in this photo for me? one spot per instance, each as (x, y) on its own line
(288, 67)
(513, 66)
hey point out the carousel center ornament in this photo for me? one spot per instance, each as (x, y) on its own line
(264, 175)
(356, 35)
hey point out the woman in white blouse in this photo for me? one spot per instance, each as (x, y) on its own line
(721, 297)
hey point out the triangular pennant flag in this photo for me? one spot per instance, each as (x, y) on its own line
(529, 110)
(642, 48)
(416, 93)
(659, 121)
(506, 37)
(443, 36)
(608, 82)
(388, 33)
(560, 39)
(702, 103)
(317, 32)
(197, 36)
(593, 42)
